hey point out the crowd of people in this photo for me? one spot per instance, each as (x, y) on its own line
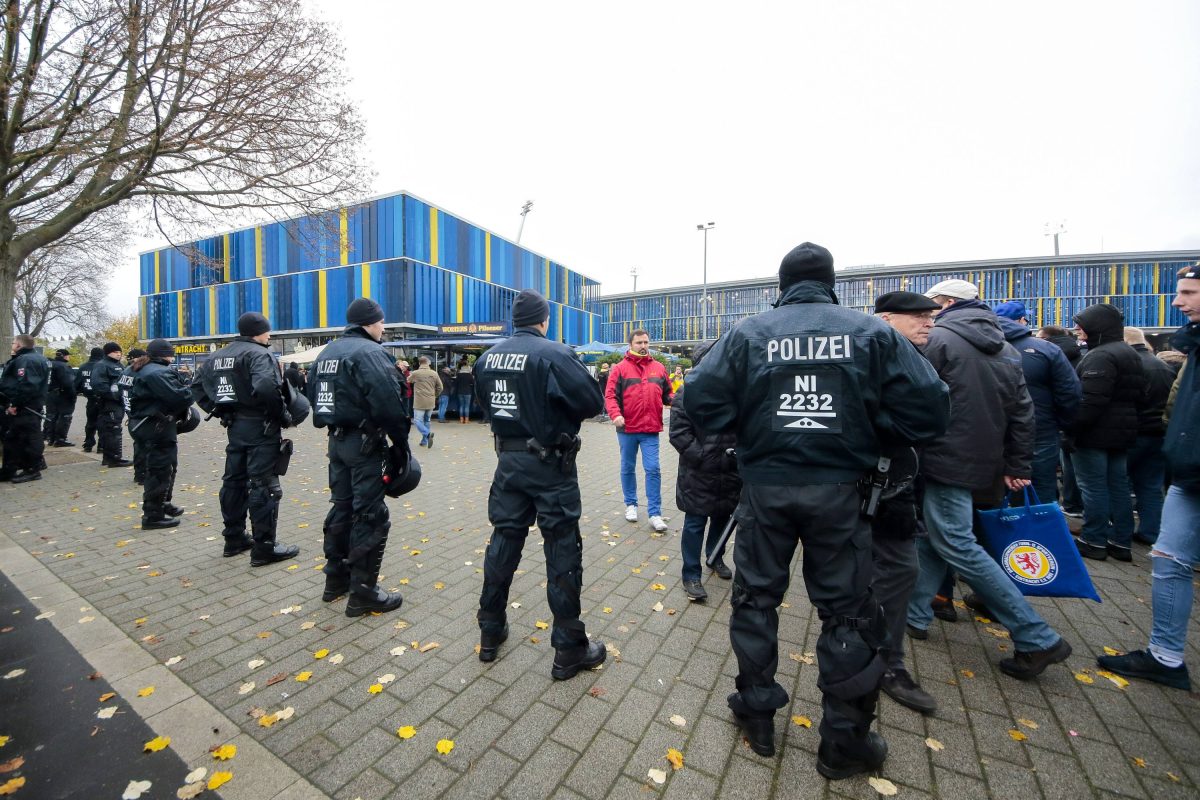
(788, 428)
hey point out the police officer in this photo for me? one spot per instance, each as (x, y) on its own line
(812, 391)
(83, 386)
(157, 399)
(134, 361)
(60, 403)
(241, 383)
(536, 393)
(23, 396)
(356, 393)
(106, 374)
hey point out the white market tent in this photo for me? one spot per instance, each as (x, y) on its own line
(302, 357)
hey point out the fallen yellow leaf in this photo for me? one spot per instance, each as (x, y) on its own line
(219, 779)
(1083, 677)
(403, 581)
(1139, 762)
(657, 587)
(225, 752)
(675, 757)
(1173, 777)
(267, 720)
(966, 673)
(375, 688)
(156, 744)
(607, 610)
(934, 744)
(12, 785)
(1016, 735)
(439, 586)
(1112, 676)
(883, 786)
(444, 746)
(1108, 651)
(541, 625)
(104, 698)
(414, 552)
(407, 732)
(293, 567)
(321, 653)
(304, 676)
(146, 692)
(140, 621)
(425, 648)
(1028, 723)
(803, 722)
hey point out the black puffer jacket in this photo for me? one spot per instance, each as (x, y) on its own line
(1160, 377)
(707, 483)
(1113, 382)
(1069, 347)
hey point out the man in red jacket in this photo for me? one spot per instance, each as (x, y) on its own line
(637, 390)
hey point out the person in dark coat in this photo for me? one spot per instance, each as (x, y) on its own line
(60, 403)
(83, 386)
(1105, 430)
(464, 388)
(157, 399)
(1056, 334)
(1053, 387)
(295, 377)
(1147, 467)
(23, 383)
(706, 491)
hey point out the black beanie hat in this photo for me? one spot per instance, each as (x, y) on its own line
(530, 308)
(253, 324)
(111, 347)
(160, 348)
(135, 352)
(61, 352)
(97, 353)
(806, 262)
(364, 311)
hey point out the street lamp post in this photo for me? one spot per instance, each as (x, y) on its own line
(706, 227)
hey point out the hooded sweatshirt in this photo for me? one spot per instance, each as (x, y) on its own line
(1113, 381)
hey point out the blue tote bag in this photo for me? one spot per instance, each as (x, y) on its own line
(1034, 547)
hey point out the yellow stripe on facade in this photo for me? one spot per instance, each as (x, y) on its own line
(561, 338)
(1112, 280)
(1053, 292)
(266, 297)
(1041, 316)
(228, 258)
(258, 253)
(546, 280)
(322, 298)
(487, 257)
(566, 287)
(143, 322)
(212, 309)
(1010, 284)
(179, 304)
(458, 298)
(433, 236)
(157, 274)
(1125, 279)
(366, 280)
(1162, 310)
(344, 236)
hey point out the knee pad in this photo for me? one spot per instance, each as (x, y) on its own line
(853, 652)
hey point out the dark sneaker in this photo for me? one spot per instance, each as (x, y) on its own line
(976, 604)
(63, 443)
(27, 476)
(1142, 664)
(489, 644)
(695, 591)
(378, 600)
(723, 572)
(900, 686)
(429, 441)
(943, 609)
(261, 556)
(568, 663)
(173, 510)
(758, 730)
(1073, 513)
(1024, 666)
(840, 761)
(1120, 553)
(235, 546)
(1091, 551)
(335, 587)
(919, 634)
(87, 449)
(161, 522)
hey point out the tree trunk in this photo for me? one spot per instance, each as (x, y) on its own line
(8, 294)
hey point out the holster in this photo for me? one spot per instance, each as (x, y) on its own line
(284, 458)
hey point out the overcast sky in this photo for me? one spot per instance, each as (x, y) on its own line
(890, 132)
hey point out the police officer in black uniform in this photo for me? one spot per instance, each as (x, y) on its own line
(355, 392)
(22, 397)
(83, 386)
(134, 360)
(157, 399)
(241, 383)
(106, 374)
(536, 393)
(812, 390)
(60, 403)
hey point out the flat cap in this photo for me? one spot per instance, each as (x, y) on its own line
(904, 303)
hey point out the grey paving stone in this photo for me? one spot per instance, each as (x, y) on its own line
(600, 765)
(542, 771)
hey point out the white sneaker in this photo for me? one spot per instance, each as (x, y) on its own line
(631, 513)
(658, 523)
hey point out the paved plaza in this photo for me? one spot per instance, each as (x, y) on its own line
(228, 648)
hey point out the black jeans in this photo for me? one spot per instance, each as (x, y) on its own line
(357, 525)
(524, 489)
(895, 575)
(250, 485)
(155, 441)
(852, 647)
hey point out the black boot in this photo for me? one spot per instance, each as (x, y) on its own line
(335, 587)
(759, 730)
(116, 462)
(27, 475)
(172, 510)
(236, 545)
(154, 523)
(569, 661)
(489, 644)
(364, 599)
(837, 761)
(263, 553)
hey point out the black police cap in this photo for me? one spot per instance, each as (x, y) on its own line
(904, 303)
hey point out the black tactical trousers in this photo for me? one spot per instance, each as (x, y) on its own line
(525, 489)
(108, 431)
(356, 527)
(91, 418)
(59, 411)
(851, 649)
(156, 441)
(895, 575)
(23, 443)
(139, 458)
(250, 485)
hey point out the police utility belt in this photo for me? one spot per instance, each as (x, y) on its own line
(567, 446)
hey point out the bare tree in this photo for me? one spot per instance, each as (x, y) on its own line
(188, 107)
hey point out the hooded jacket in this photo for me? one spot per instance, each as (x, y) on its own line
(1181, 445)
(1051, 380)
(1069, 346)
(1159, 379)
(1113, 383)
(708, 482)
(992, 425)
(638, 387)
(812, 389)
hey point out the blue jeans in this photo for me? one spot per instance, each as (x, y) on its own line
(422, 419)
(1071, 499)
(1147, 470)
(1045, 466)
(1175, 553)
(464, 406)
(648, 442)
(951, 541)
(693, 538)
(443, 404)
(1104, 483)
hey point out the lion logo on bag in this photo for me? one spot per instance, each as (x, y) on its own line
(1029, 562)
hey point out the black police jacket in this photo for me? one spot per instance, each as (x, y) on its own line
(535, 388)
(157, 391)
(83, 378)
(106, 373)
(25, 380)
(241, 378)
(125, 382)
(62, 379)
(355, 384)
(812, 389)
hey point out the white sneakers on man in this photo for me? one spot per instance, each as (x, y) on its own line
(631, 513)
(658, 523)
